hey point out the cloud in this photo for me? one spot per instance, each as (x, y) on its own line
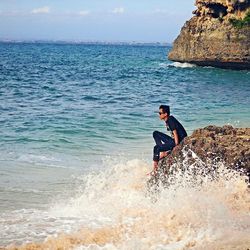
(83, 12)
(160, 11)
(42, 10)
(119, 10)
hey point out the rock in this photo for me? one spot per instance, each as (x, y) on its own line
(216, 35)
(204, 149)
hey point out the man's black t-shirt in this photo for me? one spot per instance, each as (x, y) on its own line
(173, 124)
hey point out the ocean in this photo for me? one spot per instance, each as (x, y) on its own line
(76, 146)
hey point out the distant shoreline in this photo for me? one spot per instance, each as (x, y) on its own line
(133, 43)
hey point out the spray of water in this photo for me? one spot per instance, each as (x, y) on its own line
(120, 211)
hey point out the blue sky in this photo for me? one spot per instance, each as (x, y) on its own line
(94, 20)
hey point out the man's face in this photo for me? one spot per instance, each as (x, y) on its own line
(162, 115)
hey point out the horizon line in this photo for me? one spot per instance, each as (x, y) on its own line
(78, 41)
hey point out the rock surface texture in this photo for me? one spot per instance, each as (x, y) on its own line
(205, 150)
(218, 35)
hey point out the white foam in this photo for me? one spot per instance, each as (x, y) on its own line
(177, 65)
(114, 211)
(182, 65)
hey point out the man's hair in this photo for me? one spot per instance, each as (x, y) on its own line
(165, 109)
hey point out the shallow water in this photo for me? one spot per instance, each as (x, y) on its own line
(70, 110)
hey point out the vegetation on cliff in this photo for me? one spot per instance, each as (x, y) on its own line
(240, 23)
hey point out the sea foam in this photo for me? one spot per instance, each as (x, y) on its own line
(177, 65)
(111, 209)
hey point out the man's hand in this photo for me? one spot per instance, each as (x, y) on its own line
(155, 169)
(175, 149)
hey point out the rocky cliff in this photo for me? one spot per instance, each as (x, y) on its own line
(205, 151)
(218, 35)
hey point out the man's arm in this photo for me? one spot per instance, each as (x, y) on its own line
(176, 137)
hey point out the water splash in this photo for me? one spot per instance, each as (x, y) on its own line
(177, 65)
(111, 210)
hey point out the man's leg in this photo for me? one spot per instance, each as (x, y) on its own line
(163, 143)
(169, 145)
(162, 148)
(164, 154)
(160, 137)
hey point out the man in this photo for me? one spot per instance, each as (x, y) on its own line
(164, 142)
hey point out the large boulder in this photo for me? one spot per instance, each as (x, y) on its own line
(204, 151)
(218, 35)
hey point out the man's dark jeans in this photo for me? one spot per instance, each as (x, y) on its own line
(163, 143)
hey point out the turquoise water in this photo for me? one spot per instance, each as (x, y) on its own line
(67, 108)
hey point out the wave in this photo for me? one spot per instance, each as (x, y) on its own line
(112, 209)
(46, 161)
(20, 190)
(177, 65)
